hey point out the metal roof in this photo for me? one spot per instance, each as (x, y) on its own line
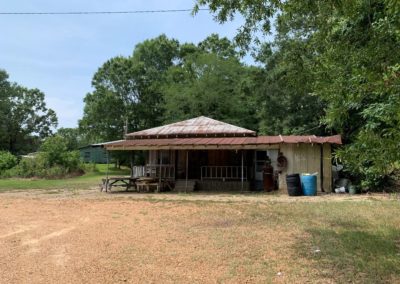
(219, 142)
(199, 126)
(100, 144)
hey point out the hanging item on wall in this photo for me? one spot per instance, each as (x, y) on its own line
(281, 162)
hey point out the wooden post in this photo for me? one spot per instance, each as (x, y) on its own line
(187, 166)
(131, 164)
(108, 166)
(322, 167)
(242, 172)
(160, 156)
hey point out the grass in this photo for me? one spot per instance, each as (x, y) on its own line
(360, 242)
(356, 242)
(85, 181)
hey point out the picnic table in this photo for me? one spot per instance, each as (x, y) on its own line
(109, 182)
(140, 184)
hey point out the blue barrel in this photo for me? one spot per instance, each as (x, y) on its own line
(309, 184)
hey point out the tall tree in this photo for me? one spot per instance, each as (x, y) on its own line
(25, 117)
(210, 80)
(73, 137)
(355, 59)
(127, 91)
(284, 89)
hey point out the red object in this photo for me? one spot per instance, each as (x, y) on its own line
(268, 178)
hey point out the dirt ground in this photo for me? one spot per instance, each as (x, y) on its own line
(92, 237)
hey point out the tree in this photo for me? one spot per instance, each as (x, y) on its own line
(127, 91)
(354, 57)
(25, 117)
(284, 89)
(74, 139)
(210, 83)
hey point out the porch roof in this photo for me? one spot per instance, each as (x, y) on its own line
(199, 126)
(260, 142)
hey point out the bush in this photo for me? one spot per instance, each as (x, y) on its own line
(54, 161)
(54, 151)
(371, 159)
(7, 161)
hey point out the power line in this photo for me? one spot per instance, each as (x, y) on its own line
(101, 12)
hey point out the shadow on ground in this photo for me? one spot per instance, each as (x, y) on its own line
(351, 252)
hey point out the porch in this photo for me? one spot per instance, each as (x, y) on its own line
(204, 170)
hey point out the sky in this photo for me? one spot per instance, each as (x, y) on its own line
(59, 54)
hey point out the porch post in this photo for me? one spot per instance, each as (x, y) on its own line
(187, 166)
(242, 171)
(108, 167)
(159, 181)
(132, 164)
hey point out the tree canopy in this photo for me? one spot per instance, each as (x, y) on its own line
(127, 91)
(349, 58)
(24, 117)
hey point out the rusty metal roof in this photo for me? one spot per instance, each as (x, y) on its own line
(199, 126)
(219, 142)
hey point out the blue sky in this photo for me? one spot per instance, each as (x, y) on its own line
(59, 54)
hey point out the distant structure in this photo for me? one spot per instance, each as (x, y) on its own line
(95, 153)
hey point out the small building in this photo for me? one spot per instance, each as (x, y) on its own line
(95, 153)
(207, 154)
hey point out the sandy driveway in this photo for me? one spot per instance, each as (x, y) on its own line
(89, 237)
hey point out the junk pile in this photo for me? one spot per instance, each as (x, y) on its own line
(341, 185)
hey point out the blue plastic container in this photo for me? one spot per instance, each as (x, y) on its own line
(309, 185)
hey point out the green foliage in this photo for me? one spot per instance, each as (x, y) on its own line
(257, 16)
(212, 84)
(24, 117)
(127, 91)
(7, 161)
(54, 152)
(347, 55)
(284, 90)
(165, 81)
(53, 161)
(73, 137)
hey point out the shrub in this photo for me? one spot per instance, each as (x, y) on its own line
(54, 161)
(7, 161)
(54, 150)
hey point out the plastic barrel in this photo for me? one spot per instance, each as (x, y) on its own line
(293, 185)
(309, 185)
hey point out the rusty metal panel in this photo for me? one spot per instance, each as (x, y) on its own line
(196, 126)
(224, 141)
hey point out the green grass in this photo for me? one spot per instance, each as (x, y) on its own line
(357, 241)
(85, 181)
(347, 242)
